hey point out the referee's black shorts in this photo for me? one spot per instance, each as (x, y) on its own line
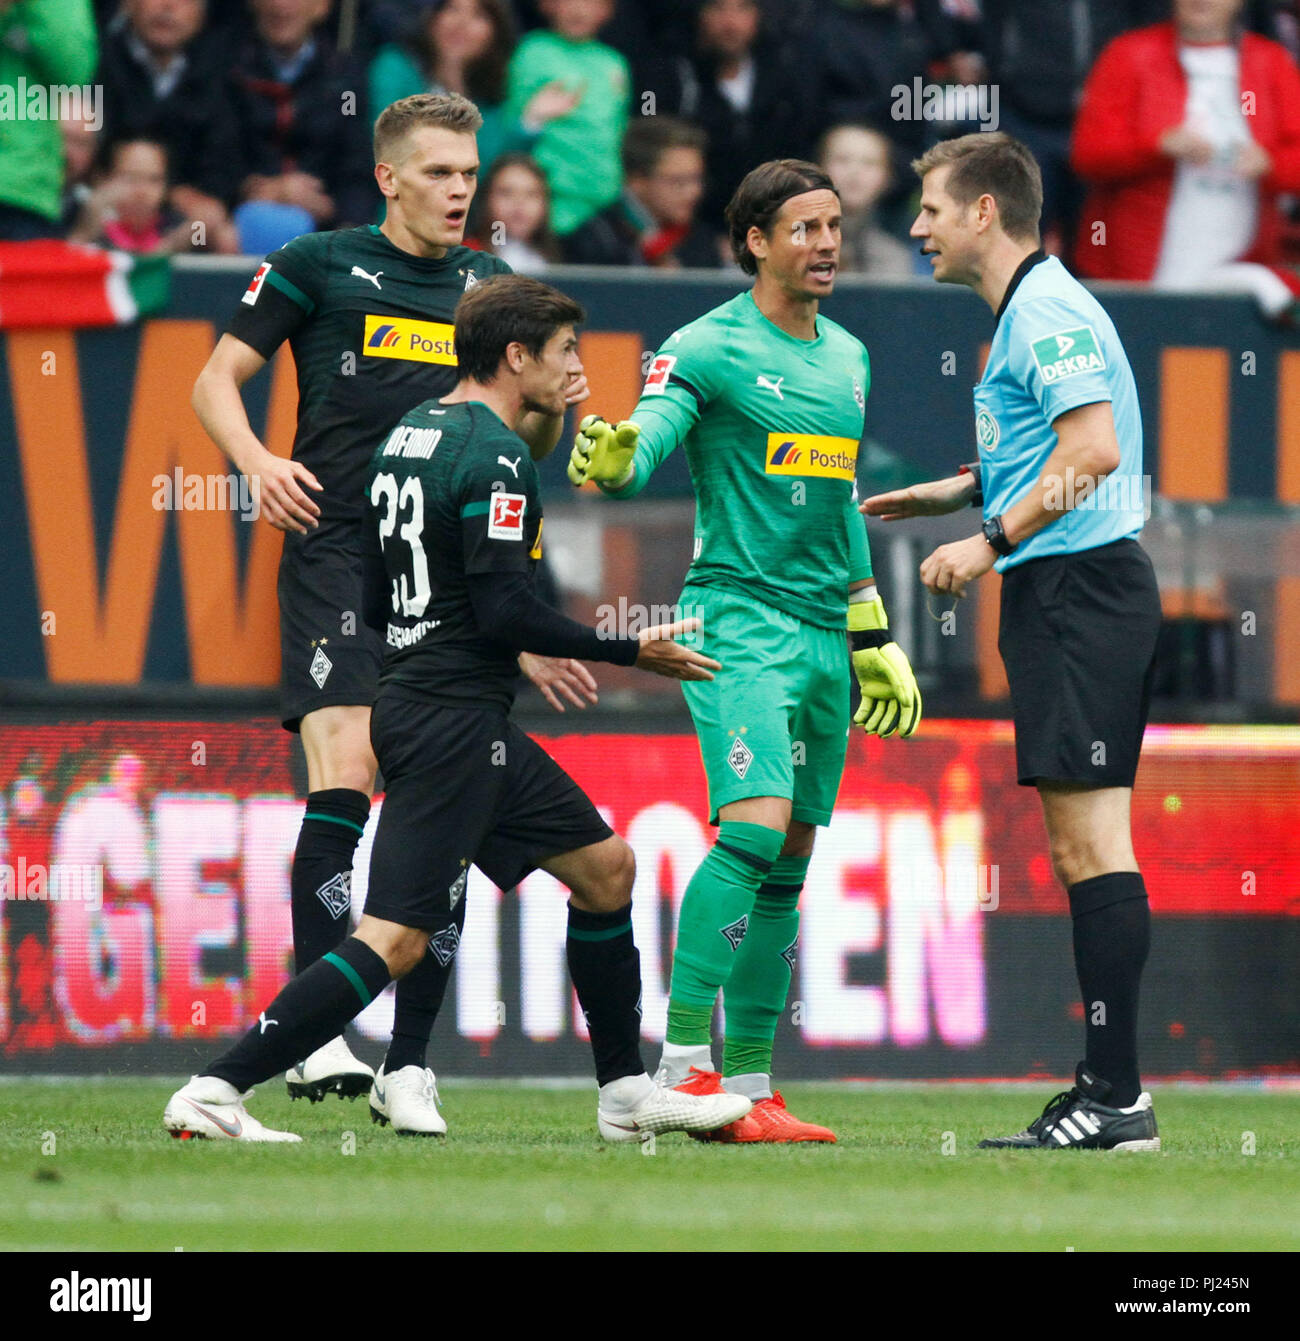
(463, 786)
(1078, 638)
(329, 655)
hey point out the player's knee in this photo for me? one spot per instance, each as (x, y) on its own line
(799, 839)
(351, 767)
(339, 755)
(624, 875)
(618, 877)
(608, 887)
(407, 952)
(1074, 858)
(401, 948)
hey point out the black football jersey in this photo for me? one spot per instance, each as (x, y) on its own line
(371, 331)
(451, 492)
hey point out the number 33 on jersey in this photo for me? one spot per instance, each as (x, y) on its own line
(452, 492)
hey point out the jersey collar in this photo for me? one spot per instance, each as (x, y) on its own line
(428, 262)
(1022, 270)
(813, 344)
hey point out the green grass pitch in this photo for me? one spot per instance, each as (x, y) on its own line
(524, 1169)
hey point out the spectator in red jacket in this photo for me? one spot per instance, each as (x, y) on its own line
(1188, 133)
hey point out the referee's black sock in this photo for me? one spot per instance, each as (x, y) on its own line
(310, 1010)
(320, 884)
(1112, 934)
(419, 995)
(605, 966)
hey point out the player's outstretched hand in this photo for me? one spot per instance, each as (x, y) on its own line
(603, 451)
(554, 676)
(660, 654)
(277, 487)
(922, 500)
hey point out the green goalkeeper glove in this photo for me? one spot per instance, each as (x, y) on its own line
(891, 698)
(602, 451)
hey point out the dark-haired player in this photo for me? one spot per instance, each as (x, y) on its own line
(767, 398)
(368, 314)
(455, 526)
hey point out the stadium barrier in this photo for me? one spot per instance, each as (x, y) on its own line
(107, 587)
(145, 911)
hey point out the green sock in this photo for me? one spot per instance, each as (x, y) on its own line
(714, 921)
(760, 976)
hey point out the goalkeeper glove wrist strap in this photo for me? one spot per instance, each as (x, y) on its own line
(862, 639)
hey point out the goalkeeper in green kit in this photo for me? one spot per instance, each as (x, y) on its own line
(767, 397)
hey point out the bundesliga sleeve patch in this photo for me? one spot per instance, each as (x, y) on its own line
(657, 381)
(506, 517)
(1067, 354)
(255, 284)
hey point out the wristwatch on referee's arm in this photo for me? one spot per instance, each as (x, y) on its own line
(972, 468)
(997, 537)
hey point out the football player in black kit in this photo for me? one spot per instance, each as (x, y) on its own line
(454, 537)
(368, 315)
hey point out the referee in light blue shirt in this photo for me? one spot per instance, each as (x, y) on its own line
(1060, 481)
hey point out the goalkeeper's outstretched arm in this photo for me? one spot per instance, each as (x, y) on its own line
(621, 457)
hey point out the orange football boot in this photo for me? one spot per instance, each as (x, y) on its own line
(710, 1082)
(775, 1123)
(768, 1121)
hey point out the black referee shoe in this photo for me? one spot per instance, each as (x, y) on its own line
(1079, 1119)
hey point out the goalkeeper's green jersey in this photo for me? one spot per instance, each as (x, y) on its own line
(771, 426)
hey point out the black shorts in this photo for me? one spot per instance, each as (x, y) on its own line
(1078, 638)
(328, 654)
(463, 786)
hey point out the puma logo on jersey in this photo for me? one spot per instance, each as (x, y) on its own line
(361, 274)
(514, 465)
(770, 384)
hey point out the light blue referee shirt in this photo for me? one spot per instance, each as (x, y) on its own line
(1054, 350)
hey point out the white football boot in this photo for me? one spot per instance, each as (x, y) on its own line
(209, 1108)
(651, 1107)
(409, 1100)
(331, 1069)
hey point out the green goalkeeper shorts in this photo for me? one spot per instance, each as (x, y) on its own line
(774, 720)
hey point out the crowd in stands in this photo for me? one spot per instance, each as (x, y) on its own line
(615, 131)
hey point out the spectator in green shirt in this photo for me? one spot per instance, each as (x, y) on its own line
(464, 46)
(579, 151)
(48, 43)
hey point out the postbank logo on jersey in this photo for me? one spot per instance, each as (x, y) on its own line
(404, 338)
(812, 454)
(1068, 353)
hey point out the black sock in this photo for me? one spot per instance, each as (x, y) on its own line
(320, 883)
(419, 995)
(310, 1010)
(606, 970)
(1112, 934)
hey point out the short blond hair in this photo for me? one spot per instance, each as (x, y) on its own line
(991, 163)
(449, 111)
